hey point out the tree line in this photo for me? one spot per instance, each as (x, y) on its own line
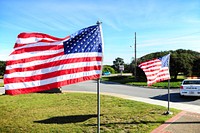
(182, 61)
(185, 62)
(2, 67)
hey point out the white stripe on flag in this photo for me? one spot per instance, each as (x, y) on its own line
(40, 44)
(33, 54)
(31, 39)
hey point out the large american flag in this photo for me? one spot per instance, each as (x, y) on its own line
(156, 70)
(42, 62)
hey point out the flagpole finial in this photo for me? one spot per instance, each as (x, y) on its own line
(99, 22)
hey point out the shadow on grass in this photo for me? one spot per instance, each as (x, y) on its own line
(175, 97)
(3, 94)
(124, 123)
(66, 119)
(144, 122)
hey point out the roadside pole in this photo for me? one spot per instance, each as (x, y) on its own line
(98, 82)
(98, 105)
(168, 107)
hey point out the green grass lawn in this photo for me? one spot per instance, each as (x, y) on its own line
(1, 85)
(129, 80)
(76, 113)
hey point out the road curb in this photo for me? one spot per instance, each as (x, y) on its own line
(2, 90)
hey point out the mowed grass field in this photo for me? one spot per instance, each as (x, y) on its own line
(1, 85)
(1, 81)
(76, 113)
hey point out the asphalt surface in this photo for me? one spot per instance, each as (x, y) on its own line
(152, 93)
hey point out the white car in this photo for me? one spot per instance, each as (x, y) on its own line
(190, 87)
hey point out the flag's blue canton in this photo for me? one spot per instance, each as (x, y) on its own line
(85, 40)
(165, 60)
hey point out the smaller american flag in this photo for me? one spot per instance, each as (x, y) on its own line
(156, 70)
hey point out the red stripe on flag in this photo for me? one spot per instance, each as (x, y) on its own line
(36, 58)
(39, 35)
(37, 48)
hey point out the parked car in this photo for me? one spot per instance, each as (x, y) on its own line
(190, 87)
(106, 73)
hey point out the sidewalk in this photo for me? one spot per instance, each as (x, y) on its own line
(184, 122)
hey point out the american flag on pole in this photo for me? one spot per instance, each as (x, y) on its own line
(156, 70)
(41, 62)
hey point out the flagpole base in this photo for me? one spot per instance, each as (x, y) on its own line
(53, 90)
(168, 113)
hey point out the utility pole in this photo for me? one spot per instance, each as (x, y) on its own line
(135, 74)
(135, 64)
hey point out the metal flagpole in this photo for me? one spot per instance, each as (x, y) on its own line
(135, 72)
(98, 105)
(168, 108)
(98, 82)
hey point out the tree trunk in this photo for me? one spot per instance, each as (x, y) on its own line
(175, 76)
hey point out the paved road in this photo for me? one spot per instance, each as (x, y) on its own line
(156, 94)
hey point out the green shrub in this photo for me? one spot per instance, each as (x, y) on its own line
(107, 68)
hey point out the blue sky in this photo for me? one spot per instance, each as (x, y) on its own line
(160, 24)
